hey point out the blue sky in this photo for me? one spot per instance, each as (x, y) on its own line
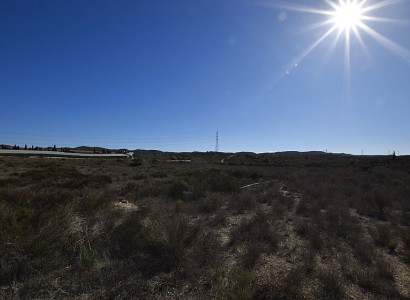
(168, 74)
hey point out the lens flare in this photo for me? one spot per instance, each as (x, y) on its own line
(348, 15)
(344, 20)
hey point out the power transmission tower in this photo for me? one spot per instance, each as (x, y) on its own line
(216, 145)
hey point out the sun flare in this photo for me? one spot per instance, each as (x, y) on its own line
(347, 15)
(347, 20)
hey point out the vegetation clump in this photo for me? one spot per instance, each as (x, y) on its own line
(271, 226)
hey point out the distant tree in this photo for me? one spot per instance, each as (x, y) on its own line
(54, 148)
(394, 154)
(25, 147)
(32, 147)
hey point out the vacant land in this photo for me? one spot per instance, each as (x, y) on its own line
(242, 226)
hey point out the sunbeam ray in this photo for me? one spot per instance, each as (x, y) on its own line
(297, 7)
(361, 42)
(395, 48)
(331, 3)
(347, 63)
(380, 5)
(316, 26)
(385, 20)
(330, 51)
(315, 44)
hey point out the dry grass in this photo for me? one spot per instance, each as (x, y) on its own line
(316, 227)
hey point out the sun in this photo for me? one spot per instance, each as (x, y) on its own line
(347, 15)
(345, 20)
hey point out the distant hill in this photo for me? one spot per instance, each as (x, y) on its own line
(80, 149)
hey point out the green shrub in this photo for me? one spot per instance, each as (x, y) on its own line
(392, 245)
(88, 257)
(178, 205)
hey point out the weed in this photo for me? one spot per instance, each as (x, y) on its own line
(331, 283)
(242, 202)
(177, 189)
(406, 256)
(205, 249)
(178, 205)
(381, 235)
(405, 236)
(340, 223)
(288, 287)
(308, 261)
(62, 237)
(384, 270)
(370, 281)
(139, 177)
(302, 227)
(392, 245)
(251, 254)
(210, 204)
(10, 182)
(315, 238)
(159, 174)
(220, 218)
(136, 162)
(221, 182)
(363, 250)
(257, 229)
(234, 284)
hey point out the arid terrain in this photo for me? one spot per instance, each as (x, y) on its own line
(205, 226)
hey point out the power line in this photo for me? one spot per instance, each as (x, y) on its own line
(216, 145)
